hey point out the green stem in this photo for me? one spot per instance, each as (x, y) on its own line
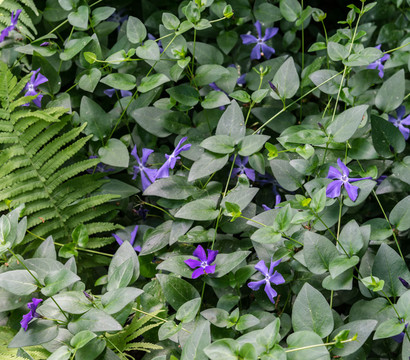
(320, 345)
(326, 39)
(303, 67)
(159, 208)
(156, 317)
(256, 222)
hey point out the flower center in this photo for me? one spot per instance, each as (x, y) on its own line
(30, 87)
(260, 41)
(267, 278)
(345, 178)
(204, 264)
(141, 167)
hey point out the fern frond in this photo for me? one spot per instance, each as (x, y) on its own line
(142, 346)
(142, 330)
(96, 243)
(38, 168)
(25, 25)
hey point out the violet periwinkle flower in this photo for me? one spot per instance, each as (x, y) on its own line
(269, 277)
(378, 63)
(204, 263)
(277, 202)
(152, 37)
(171, 161)
(118, 17)
(405, 283)
(241, 169)
(111, 92)
(133, 235)
(241, 80)
(31, 87)
(334, 188)
(100, 167)
(260, 48)
(45, 43)
(399, 122)
(6, 31)
(31, 314)
(147, 175)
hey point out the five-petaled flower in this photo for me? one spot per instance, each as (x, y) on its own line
(163, 171)
(260, 48)
(31, 86)
(6, 31)
(334, 188)
(399, 122)
(133, 235)
(269, 277)
(241, 169)
(31, 314)
(111, 92)
(378, 63)
(147, 175)
(204, 263)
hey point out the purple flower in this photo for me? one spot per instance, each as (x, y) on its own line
(399, 122)
(152, 37)
(378, 63)
(31, 314)
(133, 235)
(405, 283)
(260, 48)
(241, 169)
(399, 337)
(118, 17)
(14, 17)
(142, 212)
(204, 263)
(380, 179)
(147, 175)
(163, 171)
(269, 277)
(88, 296)
(100, 167)
(45, 43)
(111, 92)
(342, 179)
(31, 87)
(277, 202)
(241, 80)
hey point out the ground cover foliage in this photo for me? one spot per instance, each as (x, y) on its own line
(204, 179)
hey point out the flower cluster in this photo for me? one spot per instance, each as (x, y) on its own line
(31, 314)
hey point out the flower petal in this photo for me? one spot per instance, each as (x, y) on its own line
(125, 93)
(267, 50)
(401, 111)
(260, 266)
(277, 278)
(119, 240)
(256, 52)
(255, 285)
(405, 131)
(197, 273)
(266, 208)
(26, 319)
(200, 253)
(270, 33)
(270, 292)
(41, 79)
(258, 27)
(133, 235)
(250, 173)
(210, 269)
(109, 92)
(192, 263)
(163, 171)
(333, 173)
(352, 191)
(211, 256)
(248, 39)
(273, 264)
(406, 120)
(145, 154)
(344, 168)
(333, 189)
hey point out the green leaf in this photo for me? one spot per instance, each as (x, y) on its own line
(252, 144)
(342, 263)
(241, 96)
(215, 99)
(331, 87)
(318, 202)
(18, 282)
(201, 210)
(196, 342)
(286, 79)
(82, 338)
(246, 321)
(62, 353)
(120, 81)
(336, 51)
(225, 263)
(283, 219)
(184, 94)
(400, 215)
(114, 153)
(187, 312)
(266, 235)
(290, 9)
(176, 291)
(121, 276)
(220, 144)
(318, 252)
(168, 329)
(58, 280)
(39, 332)
(101, 13)
(385, 135)
(301, 339)
(173, 187)
(79, 18)
(222, 349)
(80, 235)
(346, 123)
(136, 31)
(89, 81)
(217, 317)
(206, 74)
(305, 151)
(232, 123)
(156, 239)
(312, 312)
(176, 265)
(98, 122)
(207, 164)
(151, 82)
(144, 115)
(388, 329)
(388, 266)
(391, 94)
(94, 320)
(226, 40)
(170, 21)
(286, 175)
(115, 300)
(206, 53)
(148, 51)
(73, 47)
(124, 252)
(73, 302)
